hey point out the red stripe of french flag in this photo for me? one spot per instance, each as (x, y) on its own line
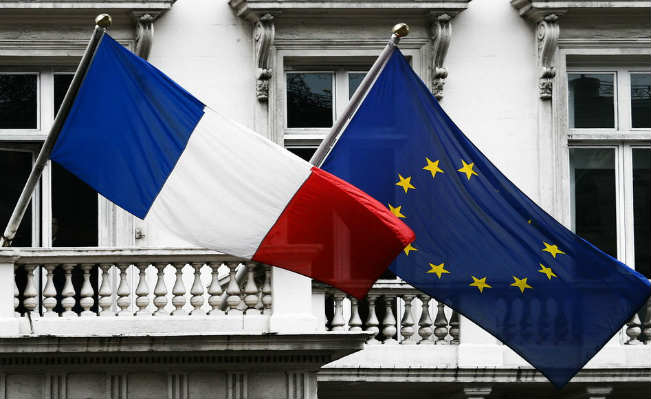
(335, 233)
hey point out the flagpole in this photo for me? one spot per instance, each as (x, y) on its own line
(102, 23)
(399, 30)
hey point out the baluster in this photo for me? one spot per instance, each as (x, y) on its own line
(215, 290)
(441, 324)
(160, 290)
(123, 292)
(372, 322)
(454, 328)
(425, 331)
(338, 322)
(30, 293)
(16, 293)
(105, 292)
(266, 290)
(251, 290)
(68, 292)
(355, 322)
(142, 290)
(646, 324)
(233, 290)
(179, 291)
(49, 293)
(197, 291)
(87, 292)
(633, 330)
(389, 322)
(407, 322)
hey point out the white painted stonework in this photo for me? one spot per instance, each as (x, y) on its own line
(144, 316)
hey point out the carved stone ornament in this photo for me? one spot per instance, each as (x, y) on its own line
(547, 35)
(144, 33)
(441, 35)
(263, 34)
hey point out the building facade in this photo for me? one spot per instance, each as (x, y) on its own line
(95, 303)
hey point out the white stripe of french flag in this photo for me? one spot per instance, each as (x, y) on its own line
(273, 207)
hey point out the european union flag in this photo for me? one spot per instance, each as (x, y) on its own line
(482, 246)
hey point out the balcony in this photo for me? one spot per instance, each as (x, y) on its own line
(68, 300)
(414, 339)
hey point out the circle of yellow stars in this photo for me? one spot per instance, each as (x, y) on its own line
(439, 270)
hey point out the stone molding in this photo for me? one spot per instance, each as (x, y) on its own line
(547, 34)
(86, 4)
(441, 36)
(262, 15)
(263, 35)
(144, 32)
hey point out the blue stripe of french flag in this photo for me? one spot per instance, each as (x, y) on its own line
(149, 146)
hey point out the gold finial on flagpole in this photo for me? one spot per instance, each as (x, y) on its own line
(401, 29)
(103, 21)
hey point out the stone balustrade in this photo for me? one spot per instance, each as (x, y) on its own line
(135, 284)
(393, 313)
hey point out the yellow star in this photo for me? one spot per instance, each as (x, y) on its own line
(438, 269)
(547, 271)
(529, 221)
(433, 167)
(480, 283)
(409, 248)
(467, 169)
(405, 183)
(521, 283)
(396, 211)
(552, 249)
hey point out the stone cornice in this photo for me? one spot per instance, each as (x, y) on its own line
(506, 375)
(85, 4)
(320, 348)
(254, 9)
(536, 10)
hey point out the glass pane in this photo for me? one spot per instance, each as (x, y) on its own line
(354, 80)
(641, 99)
(591, 102)
(17, 101)
(641, 205)
(61, 83)
(593, 193)
(309, 99)
(305, 153)
(74, 211)
(14, 170)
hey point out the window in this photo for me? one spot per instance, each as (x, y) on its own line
(609, 121)
(63, 211)
(314, 99)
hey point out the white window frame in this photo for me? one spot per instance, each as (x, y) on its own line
(623, 139)
(21, 139)
(328, 57)
(26, 134)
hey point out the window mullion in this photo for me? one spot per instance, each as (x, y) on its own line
(624, 99)
(46, 205)
(627, 235)
(339, 93)
(46, 99)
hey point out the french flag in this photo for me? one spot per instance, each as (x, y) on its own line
(149, 146)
